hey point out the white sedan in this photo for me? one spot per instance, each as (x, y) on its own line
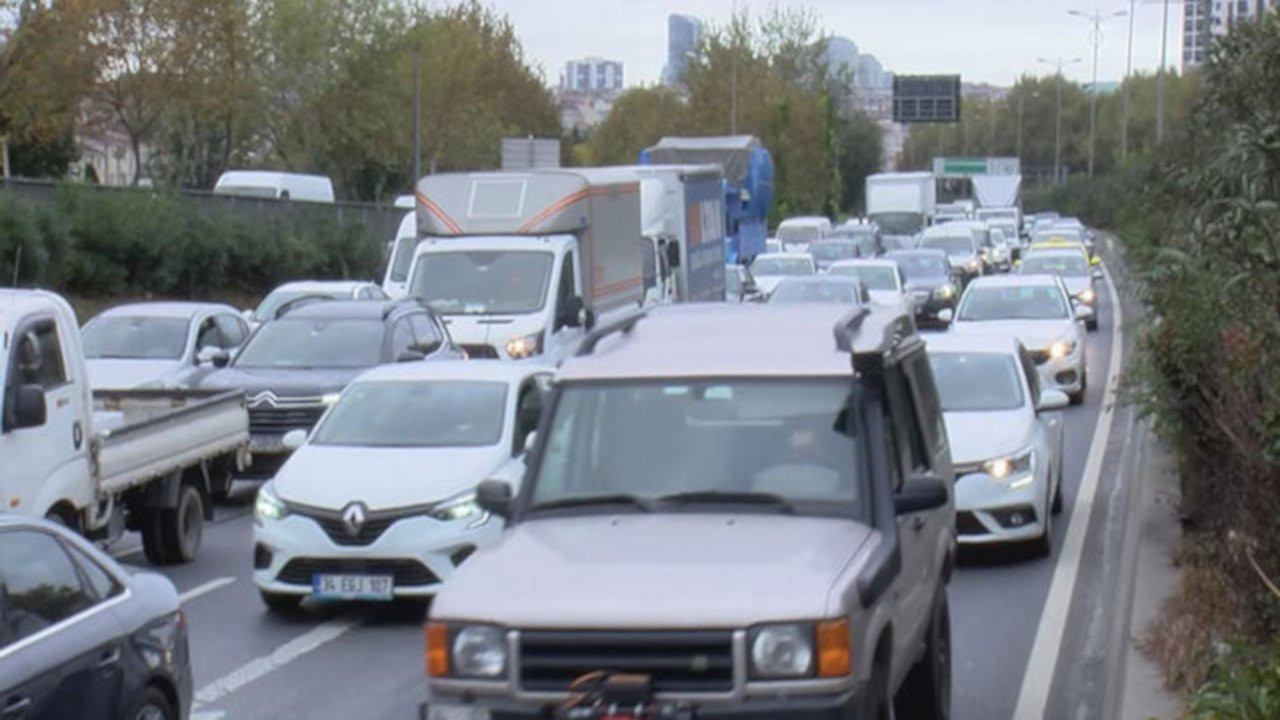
(379, 502)
(1037, 310)
(882, 278)
(769, 269)
(1006, 444)
(159, 345)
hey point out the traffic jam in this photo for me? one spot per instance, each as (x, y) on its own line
(624, 450)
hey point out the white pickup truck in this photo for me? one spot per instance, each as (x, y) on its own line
(103, 462)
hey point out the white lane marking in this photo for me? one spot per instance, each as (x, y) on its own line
(1033, 698)
(117, 554)
(259, 668)
(204, 589)
(207, 715)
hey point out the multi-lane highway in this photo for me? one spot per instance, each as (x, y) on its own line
(1033, 638)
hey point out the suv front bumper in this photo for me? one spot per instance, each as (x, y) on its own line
(846, 706)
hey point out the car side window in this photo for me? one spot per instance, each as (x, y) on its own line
(528, 409)
(209, 335)
(565, 290)
(1032, 377)
(424, 331)
(927, 402)
(401, 338)
(38, 360)
(99, 581)
(911, 446)
(40, 586)
(648, 261)
(232, 329)
(893, 458)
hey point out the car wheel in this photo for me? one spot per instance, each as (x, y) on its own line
(153, 543)
(153, 705)
(280, 603)
(926, 691)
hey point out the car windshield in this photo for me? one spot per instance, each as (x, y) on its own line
(420, 414)
(976, 381)
(293, 342)
(952, 245)
(799, 233)
(135, 338)
(916, 267)
(1068, 264)
(790, 439)
(764, 266)
(273, 302)
(1026, 302)
(487, 282)
(812, 291)
(832, 251)
(872, 277)
(902, 223)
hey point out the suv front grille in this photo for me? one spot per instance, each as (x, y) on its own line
(406, 573)
(266, 420)
(675, 661)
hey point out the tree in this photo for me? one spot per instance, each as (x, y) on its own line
(639, 118)
(861, 147)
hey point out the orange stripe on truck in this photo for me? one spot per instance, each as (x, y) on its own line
(439, 212)
(565, 202)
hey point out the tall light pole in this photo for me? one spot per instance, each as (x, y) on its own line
(733, 81)
(1095, 38)
(1128, 73)
(1058, 64)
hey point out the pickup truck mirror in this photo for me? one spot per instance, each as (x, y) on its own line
(294, 439)
(495, 496)
(570, 313)
(945, 315)
(920, 493)
(28, 407)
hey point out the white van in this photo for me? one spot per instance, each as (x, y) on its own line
(275, 185)
(396, 281)
(797, 232)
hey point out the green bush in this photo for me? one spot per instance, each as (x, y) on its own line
(95, 243)
(1244, 685)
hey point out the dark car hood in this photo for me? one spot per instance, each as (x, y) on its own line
(281, 381)
(933, 281)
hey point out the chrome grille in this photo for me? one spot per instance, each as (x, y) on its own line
(675, 661)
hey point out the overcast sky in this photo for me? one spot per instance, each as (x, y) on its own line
(991, 41)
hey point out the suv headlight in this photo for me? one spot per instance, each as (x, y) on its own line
(461, 507)
(525, 346)
(1062, 348)
(269, 506)
(782, 651)
(474, 651)
(1004, 470)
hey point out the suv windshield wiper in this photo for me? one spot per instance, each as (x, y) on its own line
(728, 497)
(589, 500)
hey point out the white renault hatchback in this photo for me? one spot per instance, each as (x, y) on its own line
(379, 502)
(1006, 441)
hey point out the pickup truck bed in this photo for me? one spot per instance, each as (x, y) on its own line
(153, 433)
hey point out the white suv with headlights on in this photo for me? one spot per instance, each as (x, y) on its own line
(1037, 310)
(379, 502)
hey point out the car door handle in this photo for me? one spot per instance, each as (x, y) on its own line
(109, 660)
(917, 523)
(16, 707)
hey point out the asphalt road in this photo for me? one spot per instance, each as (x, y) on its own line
(366, 661)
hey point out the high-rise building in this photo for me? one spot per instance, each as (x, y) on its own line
(1203, 20)
(684, 33)
(592, 75)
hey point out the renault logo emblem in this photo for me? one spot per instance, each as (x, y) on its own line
(353, 518)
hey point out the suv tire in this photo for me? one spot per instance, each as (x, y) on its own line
(926, 692)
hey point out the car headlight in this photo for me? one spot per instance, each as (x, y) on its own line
(1062, 348)
(946, 292)
(525, 346)
(1004, 470)
(782, 651)
(269, 506)
(330, 399)
(1087, 296)
(973, 265)
(479, 651)
(462, 507)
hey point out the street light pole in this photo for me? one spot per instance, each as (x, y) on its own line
(417, 118)
(733, 82)
(1057, 122)
(1128, 74)
(1095, 38)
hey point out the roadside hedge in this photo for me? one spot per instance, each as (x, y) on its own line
(142, 243)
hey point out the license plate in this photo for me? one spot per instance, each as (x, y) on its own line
(352, 587)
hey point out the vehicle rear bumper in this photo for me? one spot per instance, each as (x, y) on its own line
(846, 706)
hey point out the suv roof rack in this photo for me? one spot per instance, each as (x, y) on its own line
(622, 325)
(291, 304)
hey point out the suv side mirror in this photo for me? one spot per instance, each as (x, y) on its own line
(495, 496)
(28, 407)
(945, 315)
(213, 355)
(1052, 400)
(921, 492)
(570, 313)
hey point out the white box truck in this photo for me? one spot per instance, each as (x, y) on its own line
(901, 204)
(101, 462)
(682, 221)
(520, 265)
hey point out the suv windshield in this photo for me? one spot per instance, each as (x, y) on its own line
(764, 266)
(976, 382)
(501, 282)
(952, 245)
(788, 439)
(872, 277)
(416, 414)
(1030, 302)
(1069, 264)
(314, 343)
(817, 290)
(135, 338)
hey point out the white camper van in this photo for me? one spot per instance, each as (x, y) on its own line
(275, 185)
